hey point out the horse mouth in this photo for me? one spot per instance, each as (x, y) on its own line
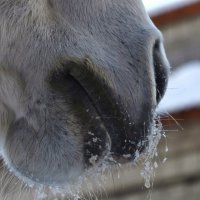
(107, 122)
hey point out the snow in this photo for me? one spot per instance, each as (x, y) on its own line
(158, 6)
(183, 91)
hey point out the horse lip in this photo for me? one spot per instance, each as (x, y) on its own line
(118, 120)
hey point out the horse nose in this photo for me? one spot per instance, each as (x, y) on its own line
(161, 69)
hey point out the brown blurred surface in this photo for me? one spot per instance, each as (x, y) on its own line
(176, 15)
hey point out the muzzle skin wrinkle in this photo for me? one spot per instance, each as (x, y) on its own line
(79, 80)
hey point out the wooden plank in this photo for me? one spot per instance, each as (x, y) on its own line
(175, 15)
(182, 191)
(181, 117)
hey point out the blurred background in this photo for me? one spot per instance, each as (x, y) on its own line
(177, 176)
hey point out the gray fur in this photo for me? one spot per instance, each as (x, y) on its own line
(40, 134)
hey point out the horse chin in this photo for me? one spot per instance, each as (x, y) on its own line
(40, 160)
(96, 149)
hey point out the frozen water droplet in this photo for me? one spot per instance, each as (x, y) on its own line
(95, 139)
(127, 155)
(164, 160)
(155, 165)
(90, 133)
(147, 184)
(93, 159)
(137, 154)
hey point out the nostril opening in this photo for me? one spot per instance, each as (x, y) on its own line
(156, 45)
(160, 69)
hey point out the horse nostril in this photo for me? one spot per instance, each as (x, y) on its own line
(161, 68)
